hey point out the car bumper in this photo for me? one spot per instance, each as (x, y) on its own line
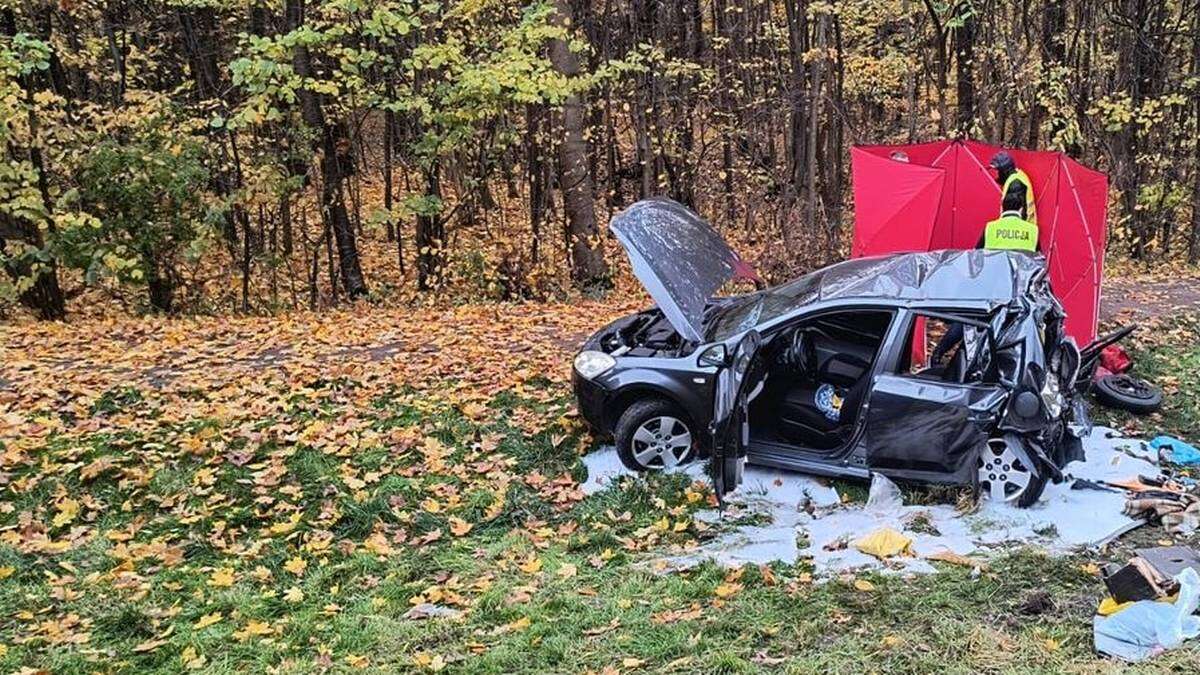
(591, 399)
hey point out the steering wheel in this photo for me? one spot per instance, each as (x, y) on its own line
(802, 354)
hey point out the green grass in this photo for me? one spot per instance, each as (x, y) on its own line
(547, 583)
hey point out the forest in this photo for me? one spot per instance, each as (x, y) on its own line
(208, 156)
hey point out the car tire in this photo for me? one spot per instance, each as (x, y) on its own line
(1126, 392)
(654, 434)
(998, 471)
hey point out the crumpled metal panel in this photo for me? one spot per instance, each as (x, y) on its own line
(995, 277)
(678, 257)
(918, 426)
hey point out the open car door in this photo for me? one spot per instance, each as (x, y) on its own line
(730, 425)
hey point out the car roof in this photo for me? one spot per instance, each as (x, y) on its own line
(949, 276)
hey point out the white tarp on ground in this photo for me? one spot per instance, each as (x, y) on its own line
(805, 519)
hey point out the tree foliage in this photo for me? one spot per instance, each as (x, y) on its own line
(448, 147)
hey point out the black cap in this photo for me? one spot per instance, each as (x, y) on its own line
(1003, 161)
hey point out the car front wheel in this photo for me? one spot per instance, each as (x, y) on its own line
(1005, 477)
(653, 434)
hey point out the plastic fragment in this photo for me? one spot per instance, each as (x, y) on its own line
(1148, 627)
(1175, 451)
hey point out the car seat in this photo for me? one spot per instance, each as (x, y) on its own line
(819, 413)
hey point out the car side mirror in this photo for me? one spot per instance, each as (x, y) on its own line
(715, 356)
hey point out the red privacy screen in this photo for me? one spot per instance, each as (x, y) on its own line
(930, 196)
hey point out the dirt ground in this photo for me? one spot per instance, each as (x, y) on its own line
(1126, 299)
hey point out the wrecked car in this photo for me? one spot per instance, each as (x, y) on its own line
(947, 367)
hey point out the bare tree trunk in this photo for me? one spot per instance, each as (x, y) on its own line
(939, 42)
(814, 94)
(797, 20)
(335, 147)
(911, 76)
(45, 296)
(1194, 239)
(964, 63)
(587, 266)
(430, 234)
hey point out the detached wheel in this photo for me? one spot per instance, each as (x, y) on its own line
(1125, 392)
(653, 434)
(1004, 476)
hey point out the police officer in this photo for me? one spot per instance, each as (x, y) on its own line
(1010, 231)
(1016, 228)
(1015, 183)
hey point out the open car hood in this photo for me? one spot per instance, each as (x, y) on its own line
(679, 258)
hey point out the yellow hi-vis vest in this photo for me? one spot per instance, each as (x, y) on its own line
(1030, 207)
(1010, 232)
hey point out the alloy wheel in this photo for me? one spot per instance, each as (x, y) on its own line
(1003, 477)
(662, 442)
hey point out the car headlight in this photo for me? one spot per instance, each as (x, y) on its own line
(1052, 396)
(591, 363)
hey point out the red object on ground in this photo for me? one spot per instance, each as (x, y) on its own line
(942, 194)
(1115, 359)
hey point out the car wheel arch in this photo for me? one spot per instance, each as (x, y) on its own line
(627, 396)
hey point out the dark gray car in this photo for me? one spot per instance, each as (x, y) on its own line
(944, 367)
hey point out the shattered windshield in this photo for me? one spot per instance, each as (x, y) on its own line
(745, 312)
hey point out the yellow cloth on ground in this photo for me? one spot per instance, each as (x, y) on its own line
(1109, 605)
(883, 543)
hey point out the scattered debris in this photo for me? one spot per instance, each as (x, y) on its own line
(1115, 359)
(1084, 484)
(1164, 500)
(806, 519)
(1129, 393)
(1171, 450)
(1134, 581)
(884, 495)
(1149, 627)
(1170, 561)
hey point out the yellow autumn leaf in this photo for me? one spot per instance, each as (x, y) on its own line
(254, 629)
(7, 571)
(433, 662)
(67, 510)
(149, 646)
(207, 620)
(378, 544)
(864, 585)
(286, 526)
(296, 565)
(459, 527)
(293, 595)
(532, 565)
(192, 660)
(727, 590)
(222, 577)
